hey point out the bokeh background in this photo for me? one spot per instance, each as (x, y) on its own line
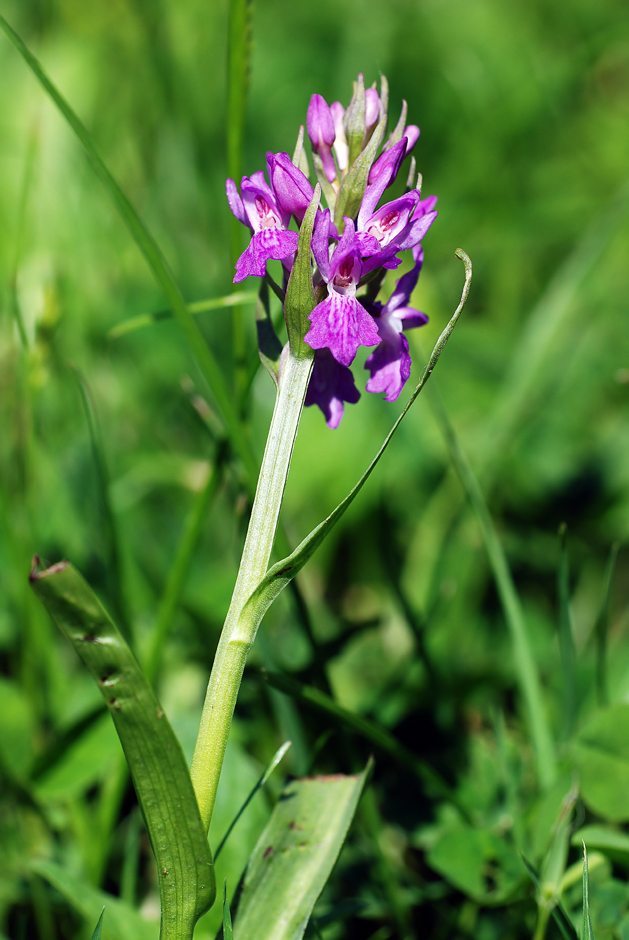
(524, 137)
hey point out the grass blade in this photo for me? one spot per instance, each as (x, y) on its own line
(526, 669)
(179, 569)
(587, 933)
(228, 933)
(558, 913)
(99, 926)
(295, 855)
(198, 306)
(112, 559)
(566, 638)
(152, 253)
(238, 74)
(275, 760)
(154, 755)
(123, 922)
(601, 629)
(367, 729)
(524, 382)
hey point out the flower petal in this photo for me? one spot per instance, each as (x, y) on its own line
(235, 202)
(341, 324)
(389, 364)
(270, 243)
(330, 385)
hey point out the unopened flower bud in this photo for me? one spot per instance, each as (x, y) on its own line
(372, 108)
(341, 148)
(320, 125)
(412, 135)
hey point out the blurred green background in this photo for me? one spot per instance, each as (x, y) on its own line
(524, 137)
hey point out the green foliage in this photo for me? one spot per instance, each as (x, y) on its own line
(294, 856)
(396, 620)
(184, 864)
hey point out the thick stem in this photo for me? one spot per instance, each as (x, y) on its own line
(237, 637)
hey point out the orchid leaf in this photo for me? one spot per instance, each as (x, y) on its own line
(300, 299)
(295, 855)
(355, 119)
(152, 253)
(156, 761)
(228, 932)
(285, 570)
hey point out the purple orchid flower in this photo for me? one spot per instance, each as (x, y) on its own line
(381, 175)
(399, 225)
(292, 190)
(390, 362)
(340, 323)
(259, 211)
(372, 108)
(320, 126)
(330, 386)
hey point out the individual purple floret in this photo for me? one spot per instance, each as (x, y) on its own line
(331, 384)
(398, 226)
(320, 126)
(390, 362)
(291, 187)
(381, 175)
(259, 210)
(340, 323)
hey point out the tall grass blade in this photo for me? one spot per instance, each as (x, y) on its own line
(238, 75)
(99, 926)
(123, 922)
(275, 760)
(586, 933)
(197, 306)
(228, 933)
(112, 559)
(524, 663)
(152, 253)
(558, 913)
(524, 382)
(179, 570)
(601, 629)
(367, 729)
(158, 767)
(566, 638)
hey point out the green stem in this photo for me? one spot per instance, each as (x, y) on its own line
(238, 634)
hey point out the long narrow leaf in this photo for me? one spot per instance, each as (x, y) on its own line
(152, 253)
(154, 755)
(601, 628)
(587, 933)
(285, 570)
(99, 926)
(367, 729)
(294, 856)
(526, 669)
(566, 639)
